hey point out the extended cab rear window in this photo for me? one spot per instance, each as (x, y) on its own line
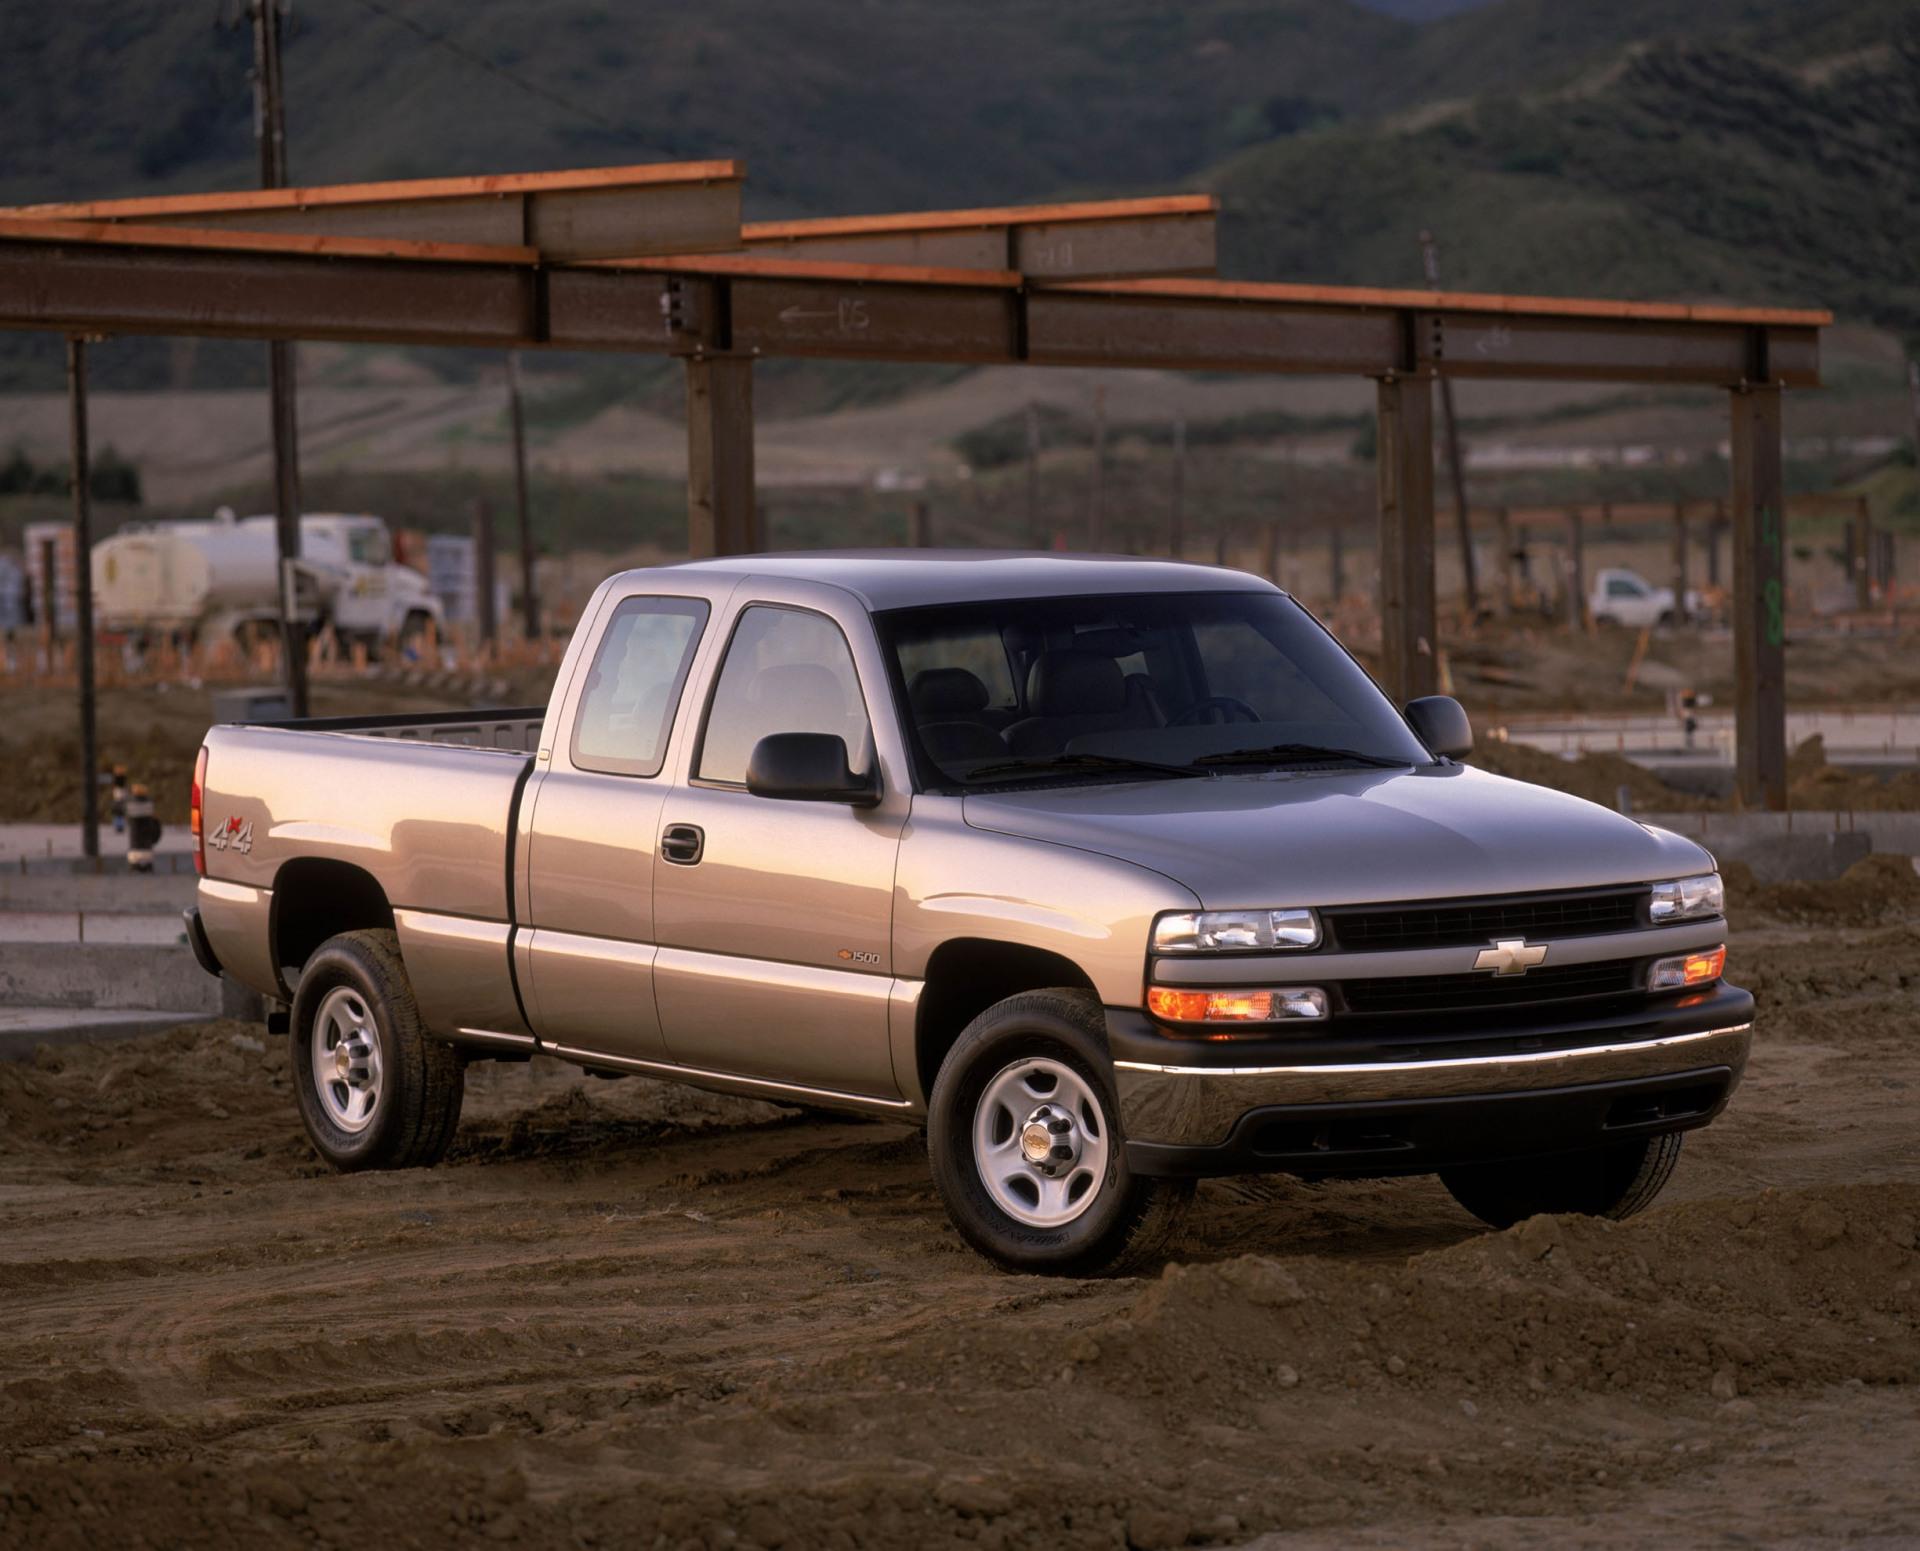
(634, 685)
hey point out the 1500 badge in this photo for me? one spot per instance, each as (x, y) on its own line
(234, 835)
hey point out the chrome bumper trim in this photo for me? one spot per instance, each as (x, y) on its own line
(1198, 1106)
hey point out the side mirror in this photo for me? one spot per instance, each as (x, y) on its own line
(808, 767)
(1440, 722)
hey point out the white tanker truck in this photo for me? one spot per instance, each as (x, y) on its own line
(218, 579)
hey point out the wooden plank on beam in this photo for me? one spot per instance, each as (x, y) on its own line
(1408, 612)
(1759, 598)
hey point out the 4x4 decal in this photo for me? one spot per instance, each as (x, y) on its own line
(234, 835)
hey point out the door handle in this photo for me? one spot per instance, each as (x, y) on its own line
(683, 843)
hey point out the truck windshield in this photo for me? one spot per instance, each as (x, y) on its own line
(367, 544)
(1135, 686)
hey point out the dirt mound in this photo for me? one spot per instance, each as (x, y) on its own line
(1825, 1293)
(1813, 785)
(1877, 890)
(1597, 777)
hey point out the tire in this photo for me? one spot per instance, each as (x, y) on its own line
(393, 1104)
(1610, 1182)
(1093, 1215)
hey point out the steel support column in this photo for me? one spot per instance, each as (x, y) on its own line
(1680, 614)
(722, 518)
(82, 596)
(1407, 608)
(1759, 598)
(1860, 555)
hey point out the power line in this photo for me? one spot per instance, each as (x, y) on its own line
(481, 62)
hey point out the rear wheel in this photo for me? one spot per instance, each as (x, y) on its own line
(1611, 1182)
(1026, 1150)
(375, 1090)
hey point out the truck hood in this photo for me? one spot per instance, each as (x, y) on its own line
(1352, 837)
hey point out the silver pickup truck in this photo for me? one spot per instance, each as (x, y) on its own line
(1114, 873)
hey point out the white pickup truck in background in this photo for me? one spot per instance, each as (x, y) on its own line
(1623, 597)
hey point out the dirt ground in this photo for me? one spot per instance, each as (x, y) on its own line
(628, 1314)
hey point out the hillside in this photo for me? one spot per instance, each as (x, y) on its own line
(1681, 169)
(834, 106)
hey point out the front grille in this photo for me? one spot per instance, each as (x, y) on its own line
(1455, 993)
(1448, 923)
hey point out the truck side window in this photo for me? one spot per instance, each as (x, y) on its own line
(787, 670)
(634, 685)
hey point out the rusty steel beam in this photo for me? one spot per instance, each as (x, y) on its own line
(874, 322)
(593, 212)
(81, 278)
(1601, 350)
(1102, 239)
(128, 287)
(1090, 329)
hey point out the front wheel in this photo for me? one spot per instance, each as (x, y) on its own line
(1026, 1151)
(375, 1089)
(1610, 1182)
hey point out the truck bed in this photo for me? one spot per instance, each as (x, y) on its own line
(517, 727)
(423, 806)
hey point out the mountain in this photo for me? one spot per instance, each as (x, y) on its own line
(835, 104)
(1752, 169)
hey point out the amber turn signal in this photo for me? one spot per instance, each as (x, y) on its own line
(1178, 1005)
(1687, 969)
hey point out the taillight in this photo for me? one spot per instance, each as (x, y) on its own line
(195, 800)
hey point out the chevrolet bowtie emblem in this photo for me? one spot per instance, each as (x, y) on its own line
(1510, 956)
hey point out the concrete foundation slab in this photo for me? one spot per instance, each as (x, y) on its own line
(24, 1029)
(106, 976)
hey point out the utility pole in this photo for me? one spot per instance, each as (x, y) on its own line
(529, 599)
(270, 129)
(83, 596)
(1430, 256)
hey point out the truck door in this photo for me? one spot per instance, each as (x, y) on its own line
(593, 831)
(775, 917)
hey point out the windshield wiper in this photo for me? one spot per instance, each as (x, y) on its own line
(1069, 764)
(1285, 753)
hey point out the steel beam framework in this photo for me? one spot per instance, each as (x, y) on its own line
(1051, 285)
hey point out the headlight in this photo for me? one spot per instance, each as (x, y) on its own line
(1689, 899)
(1222, 931)
(1179, 1005)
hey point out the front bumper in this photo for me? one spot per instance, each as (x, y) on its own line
(1185, 1110)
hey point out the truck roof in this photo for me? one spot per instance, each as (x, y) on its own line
(913, 578)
